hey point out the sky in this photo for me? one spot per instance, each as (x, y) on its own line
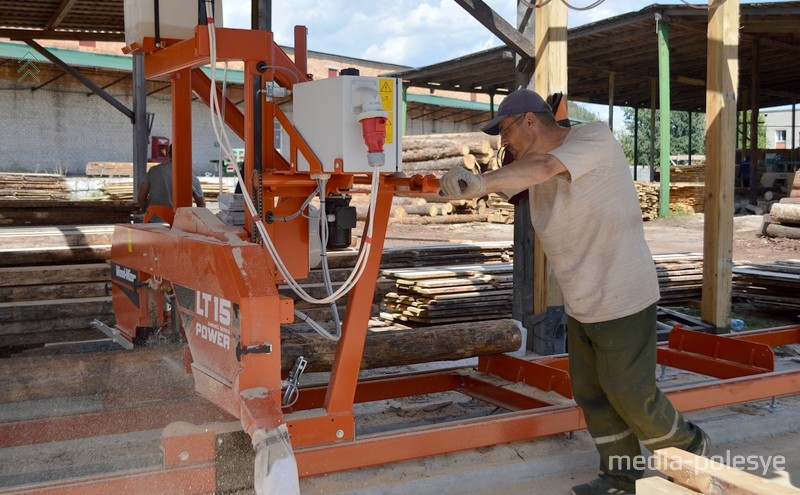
(405, 32)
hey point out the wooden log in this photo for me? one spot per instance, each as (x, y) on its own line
(444, 149)
(439, 220)
(770, 229)
(785, 213)
(423, 210)
(709, 476)
(430, 165)
(471, 163)
(57, 256)
(385, 348)
(790, 201)
(795, 192)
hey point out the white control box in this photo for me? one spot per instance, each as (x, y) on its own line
(177, 19)
(326, 114)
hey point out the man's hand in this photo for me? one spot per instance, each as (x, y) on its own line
(459, 182)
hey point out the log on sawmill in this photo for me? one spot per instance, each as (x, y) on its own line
(433, 165)
(785, 213)
(795, 192)
(397, 347)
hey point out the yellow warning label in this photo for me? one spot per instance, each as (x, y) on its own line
(386, 87)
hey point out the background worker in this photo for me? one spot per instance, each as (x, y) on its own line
(585, 209)
(156, 189)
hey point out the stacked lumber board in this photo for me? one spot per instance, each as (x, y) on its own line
(449, 294)
(60, 212)
(23, 186)
(648, 193)
(123, 191)
(48, 245)
(500, 210)
(770, 286)
(680, 277)
(688, 173)
(687, 196)
(113, 169)
(41, 305)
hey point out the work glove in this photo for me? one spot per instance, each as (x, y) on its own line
(459, 182)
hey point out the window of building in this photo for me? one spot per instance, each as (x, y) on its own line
(780, 136)
(333, 72)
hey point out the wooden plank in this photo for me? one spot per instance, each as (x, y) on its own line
(38, 275)
(57, 291)
(654, 485)
(708, 476)
(28, 311)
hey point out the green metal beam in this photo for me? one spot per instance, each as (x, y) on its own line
(664, 111)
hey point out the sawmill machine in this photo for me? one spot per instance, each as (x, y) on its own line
(220, 282)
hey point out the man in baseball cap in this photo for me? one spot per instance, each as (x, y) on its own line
(518, 102)
(585, 211)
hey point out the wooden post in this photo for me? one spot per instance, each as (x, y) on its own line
(722, 77)
(522, 307)
(550, 76)
(664, 111)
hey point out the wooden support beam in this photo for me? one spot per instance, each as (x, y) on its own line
(550, 76)
(723, 74)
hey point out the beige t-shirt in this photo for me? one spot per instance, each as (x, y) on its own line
(590, 226)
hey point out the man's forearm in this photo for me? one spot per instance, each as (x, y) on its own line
(523, 173)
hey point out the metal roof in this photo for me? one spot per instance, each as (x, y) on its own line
(88, 20)
(627, 45)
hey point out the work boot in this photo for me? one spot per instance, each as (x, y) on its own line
(701, 444)
(599, 486)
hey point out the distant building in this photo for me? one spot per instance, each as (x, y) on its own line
(50, 122)
(778, 124)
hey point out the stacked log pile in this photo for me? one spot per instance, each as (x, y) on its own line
(769, 286)
(449, 294)
(438, 153)
(784, 217)
(22, 186)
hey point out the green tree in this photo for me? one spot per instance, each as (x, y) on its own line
(680, 124)
(679, 134)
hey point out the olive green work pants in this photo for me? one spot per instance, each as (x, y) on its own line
(612, 366)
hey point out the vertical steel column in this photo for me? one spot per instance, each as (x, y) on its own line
(664, 111)
(140, 133)
(182, 138)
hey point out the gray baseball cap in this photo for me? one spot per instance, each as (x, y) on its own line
(518, 102)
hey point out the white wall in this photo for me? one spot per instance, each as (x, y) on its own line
(60, 129)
